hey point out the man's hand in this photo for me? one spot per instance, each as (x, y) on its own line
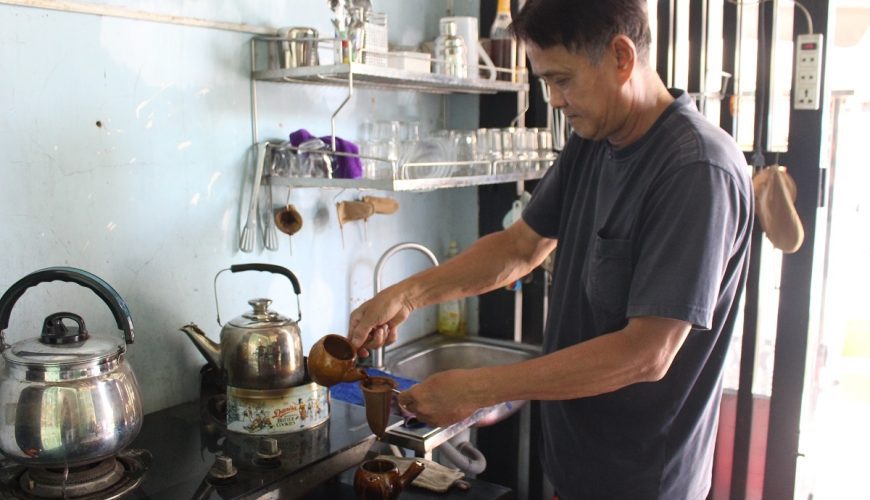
(373, 324)
(444, 398)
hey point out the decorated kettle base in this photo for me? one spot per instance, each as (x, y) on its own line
(277, 411)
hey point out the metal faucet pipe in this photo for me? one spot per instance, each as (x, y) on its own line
(378, 354)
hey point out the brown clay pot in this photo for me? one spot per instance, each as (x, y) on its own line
(379, 479)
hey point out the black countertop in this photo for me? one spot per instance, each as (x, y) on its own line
(341, 488)
(315, 463)
(183, 446)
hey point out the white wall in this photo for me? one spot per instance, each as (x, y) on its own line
(150, 200)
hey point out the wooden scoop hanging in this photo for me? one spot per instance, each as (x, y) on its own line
(353, 210)
(288, 220)
(361, 210)
(381, 205)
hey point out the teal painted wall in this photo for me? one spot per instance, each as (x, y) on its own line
(151, 199)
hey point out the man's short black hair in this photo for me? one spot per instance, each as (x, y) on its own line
(587, 25)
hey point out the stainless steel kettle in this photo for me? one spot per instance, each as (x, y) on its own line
(260, 349)
(69, 397)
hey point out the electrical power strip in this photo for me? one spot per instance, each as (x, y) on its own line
(808, 71)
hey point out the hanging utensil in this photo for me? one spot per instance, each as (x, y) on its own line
(249, 232)
(288, 220)
(270, 235)
(351, 211)
(382, 205)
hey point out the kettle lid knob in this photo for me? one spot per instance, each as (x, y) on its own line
(261, 306)
(55, 331)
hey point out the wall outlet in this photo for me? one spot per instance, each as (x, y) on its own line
(808, 71)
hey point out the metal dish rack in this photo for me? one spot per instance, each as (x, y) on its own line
(405, 175)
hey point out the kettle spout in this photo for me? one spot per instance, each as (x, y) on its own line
(210, 350)
(411, 473)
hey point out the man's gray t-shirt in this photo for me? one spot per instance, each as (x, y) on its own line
(658, 228)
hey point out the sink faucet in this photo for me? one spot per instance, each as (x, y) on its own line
(378, 354)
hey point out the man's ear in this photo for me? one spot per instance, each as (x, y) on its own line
(624, 55)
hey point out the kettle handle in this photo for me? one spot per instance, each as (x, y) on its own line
(269, 268)
(71, 275)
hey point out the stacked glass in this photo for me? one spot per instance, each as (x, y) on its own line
(449, 153)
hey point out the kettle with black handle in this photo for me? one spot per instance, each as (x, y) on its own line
(69, 396)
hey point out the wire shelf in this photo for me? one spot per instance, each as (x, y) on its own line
(418, 176)
(265, 68)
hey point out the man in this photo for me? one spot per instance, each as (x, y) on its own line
(652, 210)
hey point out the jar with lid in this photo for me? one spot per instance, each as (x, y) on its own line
(450, 52)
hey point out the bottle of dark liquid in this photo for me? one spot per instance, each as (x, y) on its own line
(503, 47)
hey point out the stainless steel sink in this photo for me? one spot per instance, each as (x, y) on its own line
(434, 353)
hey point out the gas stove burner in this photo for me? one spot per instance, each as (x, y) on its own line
(74, 482)
(108, 479)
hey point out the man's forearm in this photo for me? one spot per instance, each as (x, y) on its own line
(491, 262)
(642, 352)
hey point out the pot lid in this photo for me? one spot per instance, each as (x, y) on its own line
(260, 316)
(63, 345)
(92, 351)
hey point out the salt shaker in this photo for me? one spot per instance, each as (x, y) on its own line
(450, 52)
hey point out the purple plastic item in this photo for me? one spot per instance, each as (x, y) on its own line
(300, 136)
(345, 167)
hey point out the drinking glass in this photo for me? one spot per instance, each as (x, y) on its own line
(508, 152)
(465, 144)
(528, 148)
(409, 132)
(377, 164)
(314, 161)
(545, 148)
(390, 133)
(465, 149)
(367, 131)
(494, 139)
(431, 149)
(483, 145)
(284, 162)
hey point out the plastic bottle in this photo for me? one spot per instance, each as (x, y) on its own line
(451, 314)
(503, 47)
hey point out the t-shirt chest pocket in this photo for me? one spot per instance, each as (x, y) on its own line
(608, 282)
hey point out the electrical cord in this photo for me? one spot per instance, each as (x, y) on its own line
(757, 159)
(807, 15)
(797, 4)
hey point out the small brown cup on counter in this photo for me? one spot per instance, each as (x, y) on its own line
(379, 479)
(332, 360)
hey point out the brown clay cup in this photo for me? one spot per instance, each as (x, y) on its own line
(378, 396)
(332, 360)
(379, 479)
